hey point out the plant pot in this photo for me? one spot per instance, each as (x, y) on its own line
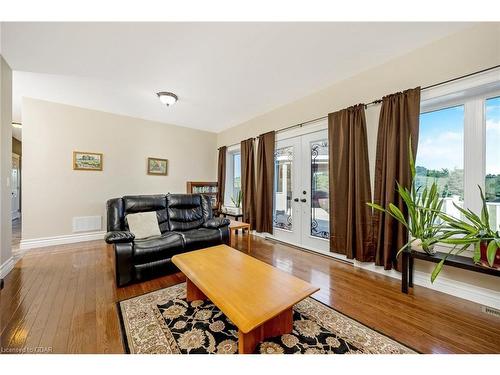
(234, 210)
(484, 259)
(417, 246)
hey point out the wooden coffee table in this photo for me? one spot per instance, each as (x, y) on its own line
(256, 297)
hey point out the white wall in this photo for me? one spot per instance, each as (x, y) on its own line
(5, 165)
(468, 51)
(53, 193)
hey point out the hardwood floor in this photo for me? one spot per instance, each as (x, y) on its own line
(62, 299)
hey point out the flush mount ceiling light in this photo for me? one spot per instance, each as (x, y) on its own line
(167, 98)
(17, 125)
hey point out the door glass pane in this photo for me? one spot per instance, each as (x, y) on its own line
(492, 183)
(283, 188)
(440, 155)
(320, 210)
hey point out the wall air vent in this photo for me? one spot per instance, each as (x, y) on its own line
(87, 224)
(491, 311)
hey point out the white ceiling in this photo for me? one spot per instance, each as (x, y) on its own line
(223, 73)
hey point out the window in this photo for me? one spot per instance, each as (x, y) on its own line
(233, 176)
(459, 142)
(492, 180)
(440, 155)
(236, 183)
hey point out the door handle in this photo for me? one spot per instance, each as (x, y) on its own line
(296, 200)
(303, 200)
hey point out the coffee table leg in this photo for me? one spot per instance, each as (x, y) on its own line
(248, 241)
(279, 325)
(193, 293)
(232, 238)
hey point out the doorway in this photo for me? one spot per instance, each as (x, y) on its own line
(16, 200)
(301, 193)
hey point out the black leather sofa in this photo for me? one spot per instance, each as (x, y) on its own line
(186, 223)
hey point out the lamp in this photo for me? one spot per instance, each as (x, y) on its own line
(167, 98)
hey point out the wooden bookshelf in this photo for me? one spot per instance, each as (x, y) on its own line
(205, 188)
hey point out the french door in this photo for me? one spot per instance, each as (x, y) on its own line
(301, 194)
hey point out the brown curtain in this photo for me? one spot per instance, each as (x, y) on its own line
(399, 119)
(265, 183)
(221, 176)
(350, 216)
(248, 181)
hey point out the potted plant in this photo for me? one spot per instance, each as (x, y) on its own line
(423, 212)
(237, 202)
(475, 230)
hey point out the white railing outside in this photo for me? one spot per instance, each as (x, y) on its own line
(493, 210)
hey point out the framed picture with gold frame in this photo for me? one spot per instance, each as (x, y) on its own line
(87, 161)
(157, 167)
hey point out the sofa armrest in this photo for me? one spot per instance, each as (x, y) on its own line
(124, 263)
(119, 236)
(216, 222)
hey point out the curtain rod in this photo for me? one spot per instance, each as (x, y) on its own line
(378, 101)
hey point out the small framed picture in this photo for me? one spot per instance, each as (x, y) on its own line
(87, 161)
(157, 167)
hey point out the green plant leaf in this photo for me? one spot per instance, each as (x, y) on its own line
(437, 270)
(477, 252)
(404, 247)
(485, 216)
(397, 214)
(491, 252)
(411, 160)
(376, 206)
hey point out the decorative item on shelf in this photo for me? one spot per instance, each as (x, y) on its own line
(87, 161)
(157, 167)
(423, 212)
(206, 188)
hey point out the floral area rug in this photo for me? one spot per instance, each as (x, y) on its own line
(164, 322)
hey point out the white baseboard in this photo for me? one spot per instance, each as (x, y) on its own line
(33, 243)
(6, 267)
(483, 296)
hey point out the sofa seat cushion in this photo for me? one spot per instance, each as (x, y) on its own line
(154, 248)
(201, 238)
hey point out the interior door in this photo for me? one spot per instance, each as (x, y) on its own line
(314, 198)
(287, 209)
(15, 185)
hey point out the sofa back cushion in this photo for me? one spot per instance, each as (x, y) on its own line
(145, 203)
(185, 211)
